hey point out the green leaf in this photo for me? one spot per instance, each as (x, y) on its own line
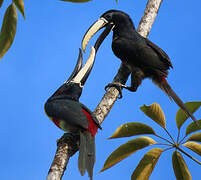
(132, 129)
(147, 164)
(8, 29)
(20, 5)
(181, 116)
(195, 147)
(1, 2)
(192, 127)
(76, 1)
(155, 112)
(180, 168)
(127, 149)
(116, 1)
(195, 137)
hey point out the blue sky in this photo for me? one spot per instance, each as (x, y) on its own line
(43, 56)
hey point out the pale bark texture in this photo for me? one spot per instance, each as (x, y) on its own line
(68, 144)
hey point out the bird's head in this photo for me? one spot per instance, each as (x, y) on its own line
(72, 88)
(115, 17)
(112, 19)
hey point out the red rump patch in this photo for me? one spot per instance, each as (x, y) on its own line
(92, 128)
(56, 122)
(163, 80)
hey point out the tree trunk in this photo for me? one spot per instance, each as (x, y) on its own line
(68, 144)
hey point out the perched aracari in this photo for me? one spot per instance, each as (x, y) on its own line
(143, 58)
(65, 110)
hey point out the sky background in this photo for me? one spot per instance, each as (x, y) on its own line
(42, 57)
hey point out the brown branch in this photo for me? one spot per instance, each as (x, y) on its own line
(68, 144)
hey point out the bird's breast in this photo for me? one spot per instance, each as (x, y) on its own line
(125, 49)
(64, 126)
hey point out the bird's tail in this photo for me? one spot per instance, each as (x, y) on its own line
(87, 154)
(173, 96)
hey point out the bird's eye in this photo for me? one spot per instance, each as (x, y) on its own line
(108, 17)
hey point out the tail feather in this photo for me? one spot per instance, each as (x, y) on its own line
(91, 155)
(82, 153)
(172, 95)
(86, 158)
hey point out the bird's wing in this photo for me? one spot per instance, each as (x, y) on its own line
(92, 114)
(163, 56)
(141, 53)
(68, 111)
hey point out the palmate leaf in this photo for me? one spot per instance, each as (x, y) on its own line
(8, 29)
(195, 137)
(180, 168)
(147, 164)
(132, 129)
(181, 116)
(127, 149)
(192, 127)
(76, 1)
(1, 2)
(20, 5)
(155, 112)
(195, 147)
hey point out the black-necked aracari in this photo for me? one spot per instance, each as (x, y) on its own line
(65, 110)
(143, 58)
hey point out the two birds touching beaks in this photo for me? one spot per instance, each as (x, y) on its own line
(143, 58)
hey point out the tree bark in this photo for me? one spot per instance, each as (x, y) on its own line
(67, 145)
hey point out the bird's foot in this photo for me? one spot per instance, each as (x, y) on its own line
(118, 86)
(131, 88)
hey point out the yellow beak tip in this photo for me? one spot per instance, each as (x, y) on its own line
(83, 48)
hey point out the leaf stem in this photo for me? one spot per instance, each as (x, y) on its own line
(180, 142)
(178, 136)
(169, 135)
(163, 138)
(168, 149)
(189, 155)
(164, 144)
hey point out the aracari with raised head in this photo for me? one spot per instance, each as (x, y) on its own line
(65, 110)
(143, 58)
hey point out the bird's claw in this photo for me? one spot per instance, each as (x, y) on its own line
(117, 86)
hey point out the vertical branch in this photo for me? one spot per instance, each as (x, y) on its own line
(67, 145)
(149, 17)
(144, 28)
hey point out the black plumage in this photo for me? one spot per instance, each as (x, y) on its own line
(67, 113)
(143, 58)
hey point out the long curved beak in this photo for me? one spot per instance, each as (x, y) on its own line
(95, 27)
(83, 74)
(77, 68)
(103, 35)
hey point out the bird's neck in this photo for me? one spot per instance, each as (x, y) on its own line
(63, 96)
(67, 92)
(124, 30)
